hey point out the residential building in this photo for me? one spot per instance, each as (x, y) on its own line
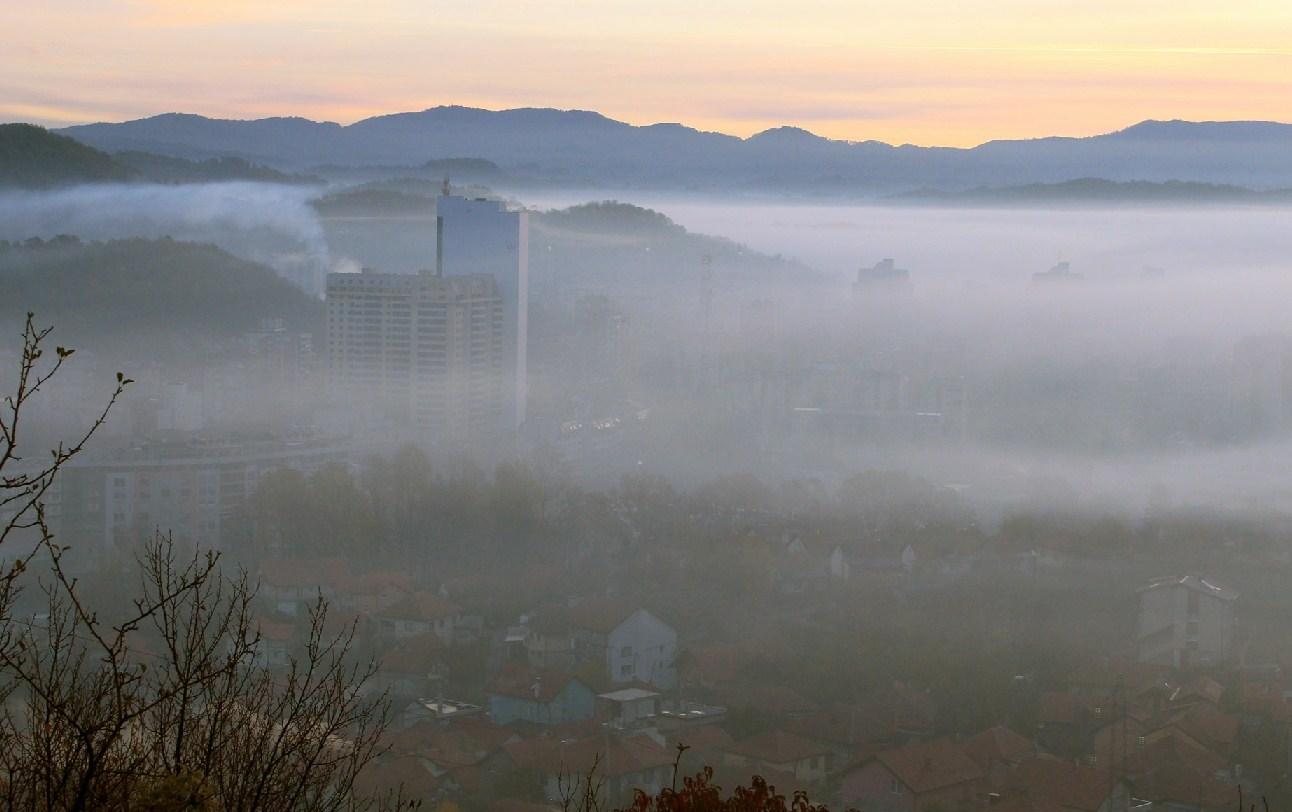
(418, 614)
(421, 350)
(482, 236)
(634, 644)
(917, 778)
(882, 277)
(197, 487)
(543, 697)
(780, 753)
(1185, 621)
(623, 764)
(630, 707)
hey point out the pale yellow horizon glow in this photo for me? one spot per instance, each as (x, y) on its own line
(936, 72)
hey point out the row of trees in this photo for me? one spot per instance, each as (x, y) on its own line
(161, 704)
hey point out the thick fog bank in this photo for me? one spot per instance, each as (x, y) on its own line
(264, 222)
(981, 243)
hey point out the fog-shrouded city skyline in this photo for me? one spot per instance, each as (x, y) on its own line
(397, 412)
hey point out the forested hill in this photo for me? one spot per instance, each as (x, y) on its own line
(122, 292)
(32, 157)
(165, 169)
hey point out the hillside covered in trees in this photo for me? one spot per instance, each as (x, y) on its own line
(132, 291)
(32, 157)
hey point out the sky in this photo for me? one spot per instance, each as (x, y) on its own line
(932, 72)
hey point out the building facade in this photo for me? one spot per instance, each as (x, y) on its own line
(482, 236)
(423, 350)
(196, 489)
(1185, 621)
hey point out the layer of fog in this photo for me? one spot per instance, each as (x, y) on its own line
(1169, 300)
(980, 243)
(973, 311)
(264, 222)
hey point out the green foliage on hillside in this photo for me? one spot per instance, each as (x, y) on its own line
(166, 169)
(32, 157)
(124, 290)
(610, 216)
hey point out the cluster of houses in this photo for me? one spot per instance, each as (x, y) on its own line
(605, 687)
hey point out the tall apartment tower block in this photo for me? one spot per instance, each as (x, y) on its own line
(426, 350)
(481, 236)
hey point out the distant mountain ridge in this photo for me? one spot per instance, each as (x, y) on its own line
(32, 157)
(1099, 191)
(577, 146)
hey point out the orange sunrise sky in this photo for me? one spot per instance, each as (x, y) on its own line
(927, 72)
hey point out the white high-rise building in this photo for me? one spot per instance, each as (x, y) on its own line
(482, 236)
(425, 350)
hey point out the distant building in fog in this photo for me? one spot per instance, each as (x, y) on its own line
(882, 277)
(425, 350)
(482, 236)
(1061, 272)
(1262, 385)
(196, 488)
(1185, 621)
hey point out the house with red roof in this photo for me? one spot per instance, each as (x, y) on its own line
(1048, 784)
(539, 696)
(802, 759)
(998, 749)
(292, 586)
(419, 613)
(934, 775)
(372, 592)
(622, 763)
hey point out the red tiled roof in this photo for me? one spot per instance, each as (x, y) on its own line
(1209, 727)
(996, 745)
(1200, 687)
(1049, 783)
(1176, 783)
(930, 765)
(1175, 750)
(539, 685)
(776, 747)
